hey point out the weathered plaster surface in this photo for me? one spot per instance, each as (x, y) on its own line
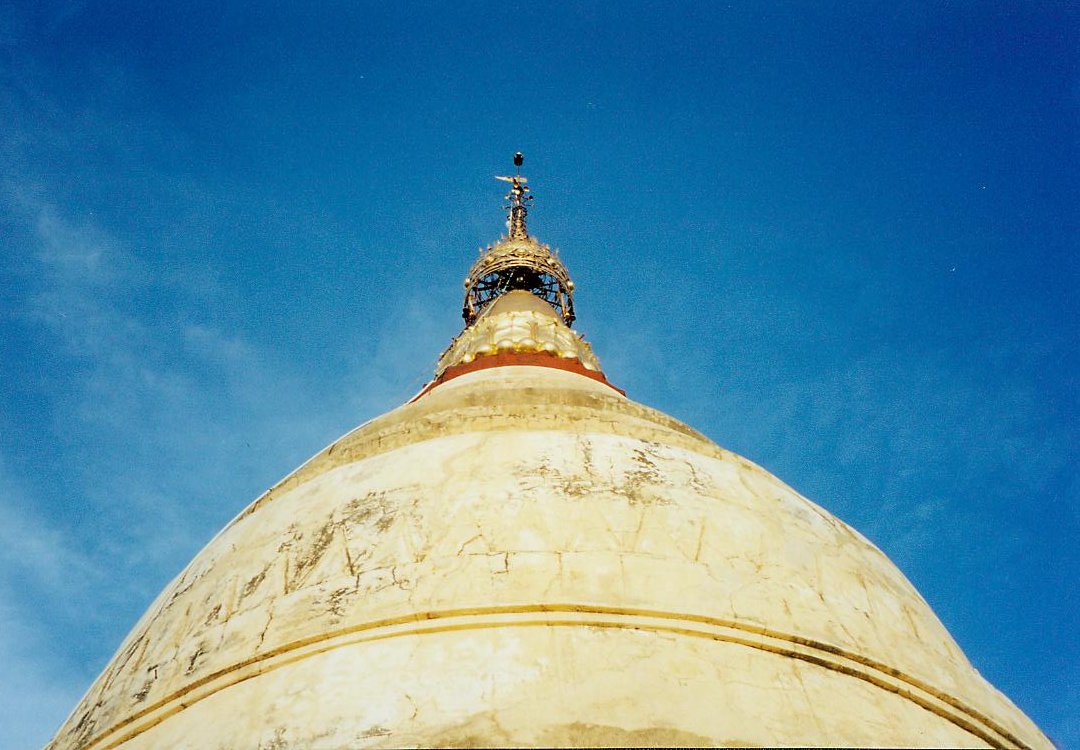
(522, 556)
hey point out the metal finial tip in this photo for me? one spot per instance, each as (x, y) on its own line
(519, 158)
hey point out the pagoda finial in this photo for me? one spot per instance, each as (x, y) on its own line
(518, 207)
(518, 262)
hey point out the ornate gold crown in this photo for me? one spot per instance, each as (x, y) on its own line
(518, 262)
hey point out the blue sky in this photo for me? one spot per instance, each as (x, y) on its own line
(840, 241)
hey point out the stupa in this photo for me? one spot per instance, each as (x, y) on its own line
(521, 555)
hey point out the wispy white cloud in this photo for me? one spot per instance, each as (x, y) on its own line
(166, 425)
(34, 553)
(178, 424)
(41, 568)
(36, 693)
(168, 429)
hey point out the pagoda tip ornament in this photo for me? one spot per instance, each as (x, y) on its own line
(518, 261)
(519, 200)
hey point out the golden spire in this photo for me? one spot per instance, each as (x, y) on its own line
(518, 207)
(518, 262)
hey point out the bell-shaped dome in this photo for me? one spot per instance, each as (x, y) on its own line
(523, 556)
